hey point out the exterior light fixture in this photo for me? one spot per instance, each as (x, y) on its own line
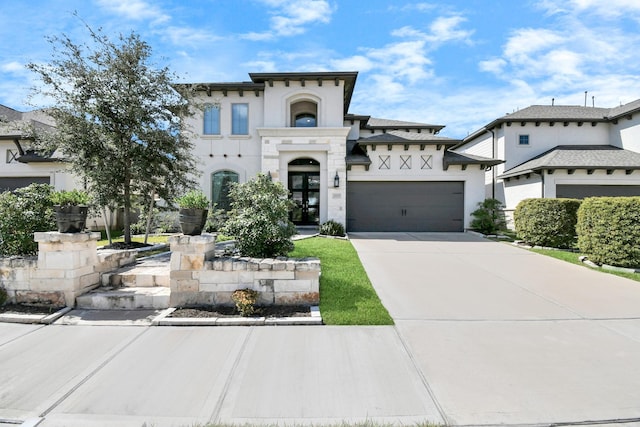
(269, 177)
(336, 180)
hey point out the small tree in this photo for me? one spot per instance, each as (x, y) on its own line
(259, 218)
(488, 218)
(119, 120)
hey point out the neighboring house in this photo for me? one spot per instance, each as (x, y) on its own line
(21, 166)
(560, 151)
(368, 174)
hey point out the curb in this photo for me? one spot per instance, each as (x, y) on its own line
(42, 319)
(163, 320)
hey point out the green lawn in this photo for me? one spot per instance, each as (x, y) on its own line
(346, 294)
(572, 257)
(152, 240)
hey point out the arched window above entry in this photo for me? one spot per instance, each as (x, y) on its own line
(305, 120)
(304, 113)
(220, 181)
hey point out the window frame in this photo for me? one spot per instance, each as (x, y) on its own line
(215, 124)
(237, 125)
(523, 137)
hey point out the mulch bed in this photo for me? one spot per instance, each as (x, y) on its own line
(123, 245)
(28, 309)
(225, 311)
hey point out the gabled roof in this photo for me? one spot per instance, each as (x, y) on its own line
(375, 123)
(356, 155)
(557, 113)
(624, 110)
(590, 157)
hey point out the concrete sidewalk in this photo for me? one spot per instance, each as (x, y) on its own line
(184, 376)
(505, 336)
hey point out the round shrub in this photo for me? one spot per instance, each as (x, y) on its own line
(332, 228)
(3, 296)
(22, 213)
(547, 222)
(259, 218)
(609, 230)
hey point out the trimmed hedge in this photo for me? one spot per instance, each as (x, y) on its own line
(547, 222)
(609, 230)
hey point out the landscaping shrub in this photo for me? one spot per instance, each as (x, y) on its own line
(332, 228)
(259, 218)
(609, 230)
(488, 218)
(245, 300)
(547, 222)
(22, 213)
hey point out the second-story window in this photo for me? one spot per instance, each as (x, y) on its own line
(240, 119)
(305, 120)
(523, 139)
(211, 120)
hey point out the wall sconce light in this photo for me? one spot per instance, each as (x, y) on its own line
(336, 180)
(269, 177)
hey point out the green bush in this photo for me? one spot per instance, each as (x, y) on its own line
(70, 198)
(193, 199)
(547, 222)
(332, 228)
(488, 218)
(609, 230)
(22, 213)
(259, 218)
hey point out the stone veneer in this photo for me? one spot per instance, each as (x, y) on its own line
(198, 277)
(67, 266)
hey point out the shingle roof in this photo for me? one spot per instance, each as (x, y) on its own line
(624, 109)
(386, 123)
(578, 157)
(455, 158)
(558, 112)
(402, 137)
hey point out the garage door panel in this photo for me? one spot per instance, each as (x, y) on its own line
(405, 206)
(582, 191)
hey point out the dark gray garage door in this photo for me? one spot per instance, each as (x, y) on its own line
(582, 191)
(405, 206)
(12, 183)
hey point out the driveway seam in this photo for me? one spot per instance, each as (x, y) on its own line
(423, 378)
(91, 374)
(22, 335)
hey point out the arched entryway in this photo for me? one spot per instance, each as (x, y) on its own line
(304, 185)
(220, 181)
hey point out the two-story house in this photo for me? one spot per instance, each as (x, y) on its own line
(366, 173)
(560, 151)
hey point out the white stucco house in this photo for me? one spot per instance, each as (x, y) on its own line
(366, 173)
(560, 151)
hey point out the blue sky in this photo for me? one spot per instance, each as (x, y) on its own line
(459, 63)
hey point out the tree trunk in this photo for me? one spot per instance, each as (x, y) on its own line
(107, 223)
(149, 216)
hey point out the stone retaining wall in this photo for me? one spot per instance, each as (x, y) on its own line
(200, 278)
(67, 266)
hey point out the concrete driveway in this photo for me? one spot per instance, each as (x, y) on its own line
(505, 336)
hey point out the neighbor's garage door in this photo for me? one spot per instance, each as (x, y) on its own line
(405, 206)
(582, 191)
(13, 183)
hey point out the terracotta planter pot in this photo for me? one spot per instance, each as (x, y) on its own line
(71, 219)
(192, 221)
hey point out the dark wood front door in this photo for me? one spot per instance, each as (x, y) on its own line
(305, 192)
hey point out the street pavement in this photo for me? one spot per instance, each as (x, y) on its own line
(485, 334)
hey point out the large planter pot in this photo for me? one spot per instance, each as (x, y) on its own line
(192, 221)
(71, 219)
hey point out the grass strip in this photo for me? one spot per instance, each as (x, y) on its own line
(346, 294)
(573, 257)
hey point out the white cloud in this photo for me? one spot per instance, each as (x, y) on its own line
(609, 9)
(290, 18)
(13, 67)
(189, 36)
(358, 62)
(135, 10)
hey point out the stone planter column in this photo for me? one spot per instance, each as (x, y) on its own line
(66, 264)
(188, 256)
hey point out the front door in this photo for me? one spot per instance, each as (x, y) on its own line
(305, 192)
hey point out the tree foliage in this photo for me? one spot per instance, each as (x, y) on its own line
(488, 218)
(119, 119)
(22, 213)
(259, 218)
